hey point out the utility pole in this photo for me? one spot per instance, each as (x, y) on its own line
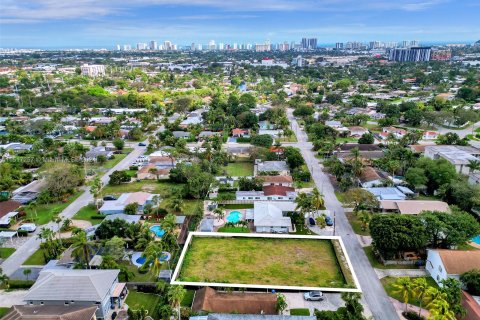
(334, 223)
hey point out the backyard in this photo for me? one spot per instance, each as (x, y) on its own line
(262, 261)
(136, 299)
(239, 169)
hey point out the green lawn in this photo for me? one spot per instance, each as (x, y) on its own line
(36, 259)
(239, 169)
(376, 264)
(3, 311)
(188, 298)
(149, 301)
(356, 224)
(6, 252)
(300, 312)
(388, 283)
(138, 277)
(234, 230)
(86, 213)
(46, 212)
(301, 229)
(263, 261)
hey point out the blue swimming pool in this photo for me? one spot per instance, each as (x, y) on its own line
(159, 232)
(476, 239)
(166, 256)
(234, 216)
(141, 260)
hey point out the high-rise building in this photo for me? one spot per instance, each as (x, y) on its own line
(192, 47)
(93, 70)
(283, 46)
(391, 44)
(153, 45)
(221, 46)
(413, 54)
(199, 47)
(118, 47)
(298, 61)
(127, 47)
(262, 47)
(441, 55)
(235, 46)
(141, 46)
(211, 45)
(167, 45)
(339, 45)
(374, 45)
(309, 43)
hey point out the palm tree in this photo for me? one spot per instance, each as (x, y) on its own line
(404, 287)
(175, 295)
(364, 217)
(95, 189)
(3, 279)
(317, 199)
(152, 255)
(420, 287)
(58, 220)
(82, 247)
(219, 213)
(176, 202)
(473, 165)
(440, 310)
(304, 203)
(168, 223)
(432, 294)
(27, 272)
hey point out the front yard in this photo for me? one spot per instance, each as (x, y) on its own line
(388, 285)
(36, 259)
(263, 261)
(89, 213)
(44, 213)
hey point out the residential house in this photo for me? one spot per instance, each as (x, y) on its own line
(43, 312)
(430, 135)
(193, 118)
(28, 193)
(366, 151)
(280, 167)
(471, 304)
(356, 131)
(334, 124)
(266, 125)
(16, 147)
(271, 216)
(396, 132)
(181, 134)
(207, 134)
(459, 156)
(8, 210)
(118, 206)
(233, 316)
(269, 193)
(208, 300)
(412, 206)
(240, 133)
(95, 152)
(152, 172)
(390, 193)
(370, 178)
(443, 264)
(284, 181)
(65, 287)
(274, 133)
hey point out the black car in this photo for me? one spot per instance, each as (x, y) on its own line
(109, 198)
(142, 144)
(329, 221)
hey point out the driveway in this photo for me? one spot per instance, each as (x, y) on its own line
(295, 300)
(10, 298)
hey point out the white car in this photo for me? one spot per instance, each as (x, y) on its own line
(30, 227)
(313, 296)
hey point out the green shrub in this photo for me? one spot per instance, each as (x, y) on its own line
(20, 284)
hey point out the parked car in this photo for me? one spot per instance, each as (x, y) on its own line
(30, 227)
(328, 221)
(142, 144)
(313, 296)
(109, 198)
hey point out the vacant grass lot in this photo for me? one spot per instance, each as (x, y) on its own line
(286, 262)
(239, 169)
(89, 213)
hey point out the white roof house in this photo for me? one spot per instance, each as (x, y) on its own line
(459, 156)
(269, 216)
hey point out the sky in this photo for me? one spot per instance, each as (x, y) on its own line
(105, 23)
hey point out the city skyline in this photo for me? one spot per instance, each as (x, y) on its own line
(88, 24)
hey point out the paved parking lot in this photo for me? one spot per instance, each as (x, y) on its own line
(332, 301)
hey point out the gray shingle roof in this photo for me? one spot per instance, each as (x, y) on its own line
(68, 284)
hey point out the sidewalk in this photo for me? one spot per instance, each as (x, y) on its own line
(400, 307)
(382, 273)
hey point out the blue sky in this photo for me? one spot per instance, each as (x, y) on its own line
(104, 23)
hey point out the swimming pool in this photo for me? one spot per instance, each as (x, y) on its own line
(159, 232)
(234, 216)
(139, 260)
(476, 239)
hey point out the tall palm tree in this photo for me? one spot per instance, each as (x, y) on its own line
(432, 294)
(364, 217)
(304, 203)
(317, 199)
(95, 189)
(82, 247)
(440, 310)
(152, 255)
(403, 286)
(168, 223)
(473, 165)
(175, 295)
(420, 287)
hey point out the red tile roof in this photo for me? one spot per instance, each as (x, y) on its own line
(277, 190)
